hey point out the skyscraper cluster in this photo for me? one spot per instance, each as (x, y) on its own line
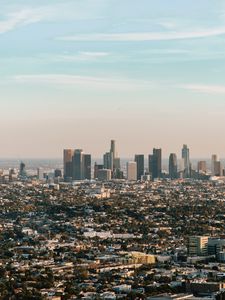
(78, 166)
(111, 165)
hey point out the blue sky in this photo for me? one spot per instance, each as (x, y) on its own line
(78, 73)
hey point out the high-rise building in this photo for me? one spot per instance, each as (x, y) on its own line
(67, 163)
(197, 245)
(87, 166)
(202, 167)
(155, 163)
(173, 169)
(97, 167)
(113, 149)
(213, 160)
(131, 170)
(108, 160)
(140, 161)
(218, 171)
(186, 158)
(78, 165)
(104, 174)
(22, 170)
(116, 163)
(216, 166)
(112, 161)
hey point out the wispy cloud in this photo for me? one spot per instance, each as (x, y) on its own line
(20, 18)
(20, 14)
(205, 89)
(79, 57)
(95, 54)
(167, 24)
(36, 13)
(83, 81)
(146, 36)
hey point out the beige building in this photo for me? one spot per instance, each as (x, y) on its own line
(202, 166)
(131, 170)
(137, 258)
(141, 258)
(216, 166)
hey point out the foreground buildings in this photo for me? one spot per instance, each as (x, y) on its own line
(138, 233)
(118, 240)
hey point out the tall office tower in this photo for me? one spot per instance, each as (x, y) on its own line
(108, 160)
(78, 164)
(113, 149)
(173, 172)
(197, 245)
(181, 166)
(112, 161)
(218, 171)
(87, 166)
(140, 161)
(186, 158)
(213, 160)
(131, 170)
(22, 170)
(67, 163)
(116, 163)
(155, 163)
(97, 167)
(202, 166)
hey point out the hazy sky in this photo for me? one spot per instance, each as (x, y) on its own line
(144, 72)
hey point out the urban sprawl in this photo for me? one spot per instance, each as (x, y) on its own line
(108, 232)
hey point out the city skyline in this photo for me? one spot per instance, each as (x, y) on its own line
(147, 73)
(78, 166)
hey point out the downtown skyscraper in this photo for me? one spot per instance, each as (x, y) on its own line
(111, 161)
(67, 163)
(173, 168)
(155, 163)
(139, 159)
(186, 161)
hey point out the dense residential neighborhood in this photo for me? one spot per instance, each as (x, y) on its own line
(112, 240)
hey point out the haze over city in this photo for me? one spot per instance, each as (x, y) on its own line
(75, 74)
(112, 157)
